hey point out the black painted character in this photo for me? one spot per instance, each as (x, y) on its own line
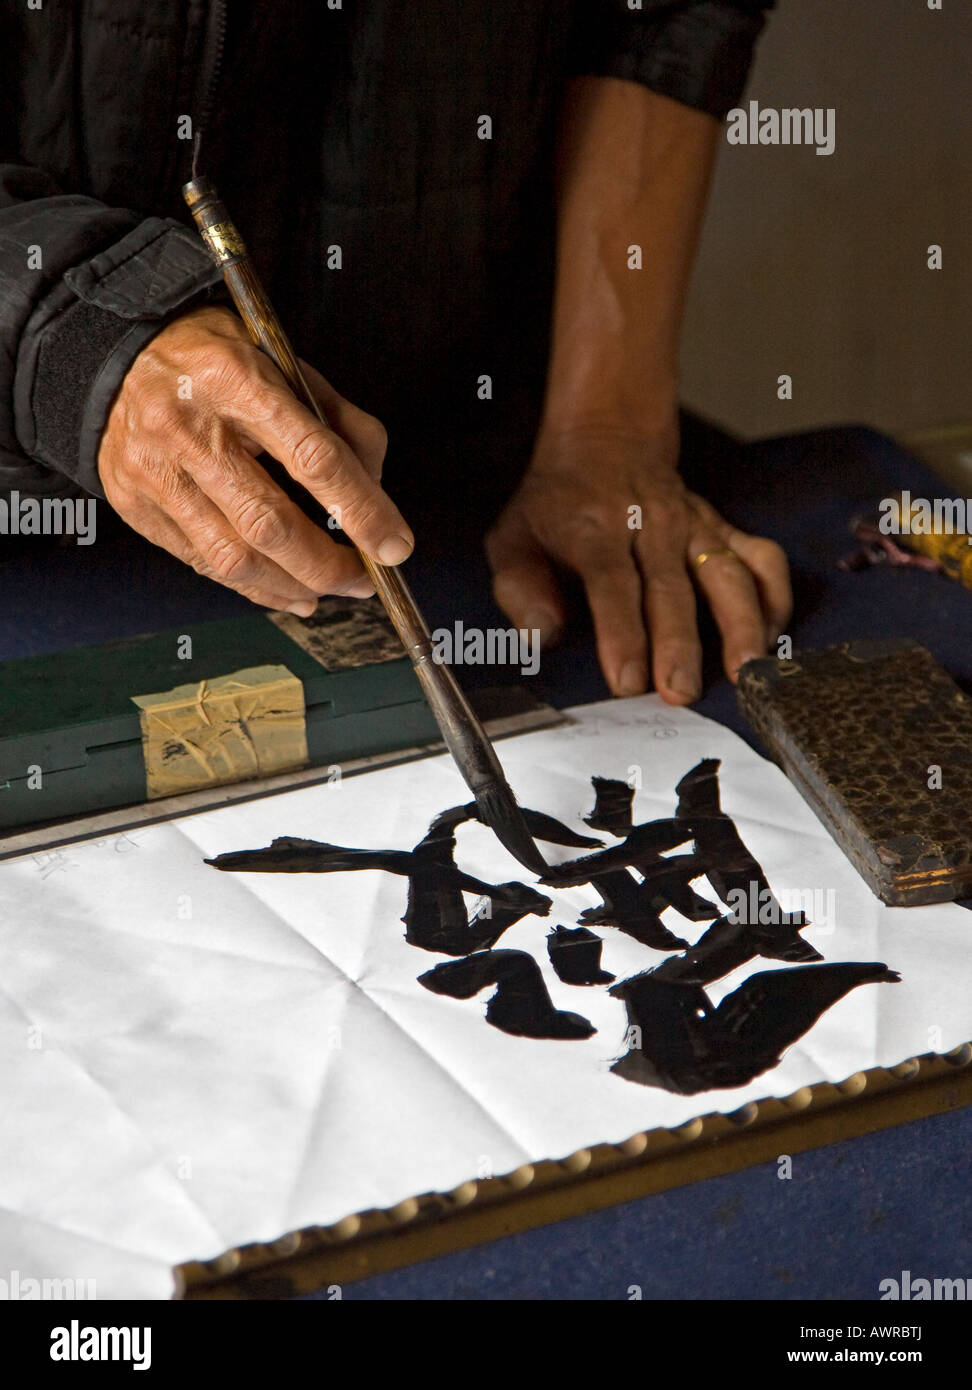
(676, 1039)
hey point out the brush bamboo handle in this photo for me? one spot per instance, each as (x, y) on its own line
(251, 299)
(464, 735)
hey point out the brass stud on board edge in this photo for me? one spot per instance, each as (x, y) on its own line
(690, 1130)
(634, 1146)
(853, 1085)
(464, 1194)
(744, 1115)
(577, 1162)
(520, 1177)
(404, 1212)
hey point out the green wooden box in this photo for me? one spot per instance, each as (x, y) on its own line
(70, 717)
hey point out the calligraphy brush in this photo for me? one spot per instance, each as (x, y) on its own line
(464, 735)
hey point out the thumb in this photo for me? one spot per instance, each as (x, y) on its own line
(524, 584)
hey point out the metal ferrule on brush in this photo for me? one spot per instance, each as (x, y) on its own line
(209, 214)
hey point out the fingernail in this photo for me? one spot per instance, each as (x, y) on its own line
(540, 620)
(361, 588)
(304, 609)
(633, 679)
(394, 549)
(684, 682)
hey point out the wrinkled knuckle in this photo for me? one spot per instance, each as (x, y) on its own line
(132, 462)
(173, 488)
(231, 371)
(273, 408)
(666, 516)
(361, 514)
(199, 562)
(317, 459)
(591, 524)
(229, 560)
(262, 526)
(239, 355)
(595, 515)
(157, 415)
(215, 366)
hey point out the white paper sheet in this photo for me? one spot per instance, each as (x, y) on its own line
(195, 1059)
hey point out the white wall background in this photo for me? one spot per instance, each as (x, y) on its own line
(817, 266)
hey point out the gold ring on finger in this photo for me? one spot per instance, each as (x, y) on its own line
(700, 559)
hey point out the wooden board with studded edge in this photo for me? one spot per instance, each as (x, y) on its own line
(432, 1224)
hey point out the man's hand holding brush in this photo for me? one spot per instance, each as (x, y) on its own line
(178, 463)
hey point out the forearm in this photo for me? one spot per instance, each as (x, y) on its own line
(634, 173)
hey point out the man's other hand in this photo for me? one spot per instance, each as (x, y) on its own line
(613, 508)
(177, 462)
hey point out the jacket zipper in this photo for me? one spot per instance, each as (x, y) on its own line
(214, 63)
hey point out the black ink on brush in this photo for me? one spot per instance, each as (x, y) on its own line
(521, 1004)
(686, 1045)
(576, 956)
(499, 810)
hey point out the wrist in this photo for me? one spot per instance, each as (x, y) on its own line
(655, 423)
(633, 405)
(605, 447)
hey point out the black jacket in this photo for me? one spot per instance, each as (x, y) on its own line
(358, 128)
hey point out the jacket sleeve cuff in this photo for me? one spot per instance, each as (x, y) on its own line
(698, 53)
(84, 336)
